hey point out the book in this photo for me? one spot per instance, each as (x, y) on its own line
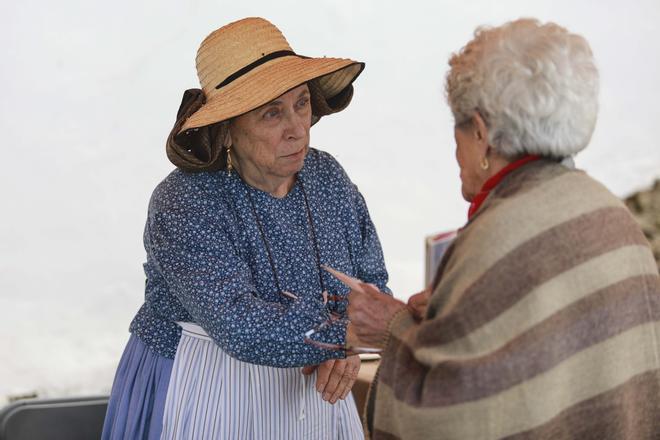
(436, 245)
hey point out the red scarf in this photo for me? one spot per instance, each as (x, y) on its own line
(495, 180)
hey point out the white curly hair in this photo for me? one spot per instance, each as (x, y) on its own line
(534, 84)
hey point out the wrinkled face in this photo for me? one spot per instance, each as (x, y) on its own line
(468, 158)
(273, 139)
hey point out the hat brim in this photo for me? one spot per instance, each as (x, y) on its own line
(268, 81)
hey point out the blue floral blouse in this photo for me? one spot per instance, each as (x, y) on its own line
(207, 262)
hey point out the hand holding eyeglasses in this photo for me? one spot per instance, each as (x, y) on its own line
(369, 314)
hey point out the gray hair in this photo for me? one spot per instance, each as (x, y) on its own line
(535, 85)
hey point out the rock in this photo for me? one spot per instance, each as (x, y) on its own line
(645, 207)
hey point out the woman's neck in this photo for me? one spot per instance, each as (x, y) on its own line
(274, 185)
(495, 179)
(497, 164)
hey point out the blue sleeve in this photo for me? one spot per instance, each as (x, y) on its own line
(191, 248)
(367, 254)
(366, 251)
(369, 258)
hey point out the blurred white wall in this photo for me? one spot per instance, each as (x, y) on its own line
(90, 90)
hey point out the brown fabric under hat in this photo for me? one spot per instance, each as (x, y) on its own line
(202, 149)
(199, 149)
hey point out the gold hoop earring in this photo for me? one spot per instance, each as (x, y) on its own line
(230, 166)
(484, 164)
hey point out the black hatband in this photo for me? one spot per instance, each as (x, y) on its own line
(255, 64)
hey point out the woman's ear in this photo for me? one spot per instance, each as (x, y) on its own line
(480, 133)
(480, 129)
(226, 142)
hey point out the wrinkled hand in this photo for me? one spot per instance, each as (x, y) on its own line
(335, 377)
(419, 302)
(370, 312)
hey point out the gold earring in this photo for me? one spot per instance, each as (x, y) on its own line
(484, 164)
(230, 167)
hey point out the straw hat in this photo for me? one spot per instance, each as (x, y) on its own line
(248, 63)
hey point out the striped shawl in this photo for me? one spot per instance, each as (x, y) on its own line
(543, 324)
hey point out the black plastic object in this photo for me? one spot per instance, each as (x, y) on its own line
(54, 419)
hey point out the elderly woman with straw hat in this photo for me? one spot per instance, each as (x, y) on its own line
(543, 318)
(236, 241)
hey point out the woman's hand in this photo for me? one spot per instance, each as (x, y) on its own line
(370, 312)
(335, 377)
(419, 302)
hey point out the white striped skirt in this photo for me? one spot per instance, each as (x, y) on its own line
(214, 396)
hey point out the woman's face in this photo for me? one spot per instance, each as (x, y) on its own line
(270, 142)
(468, 156)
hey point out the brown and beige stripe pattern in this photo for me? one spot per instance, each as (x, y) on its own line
(544, 324)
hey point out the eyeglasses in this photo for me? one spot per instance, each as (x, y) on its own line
(333, 318)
